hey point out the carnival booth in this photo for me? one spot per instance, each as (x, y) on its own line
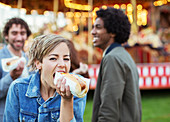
(149, 42)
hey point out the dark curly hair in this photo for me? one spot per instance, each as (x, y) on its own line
(116, 22)
(16, 21)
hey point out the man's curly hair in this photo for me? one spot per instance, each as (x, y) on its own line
(17, 21)
(116, 22)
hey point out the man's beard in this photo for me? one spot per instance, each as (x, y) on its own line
(14, 47)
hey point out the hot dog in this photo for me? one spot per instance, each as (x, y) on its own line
(9, 64)
(12, 61)
(78, 85)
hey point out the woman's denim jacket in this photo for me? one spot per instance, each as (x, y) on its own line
(24, 103)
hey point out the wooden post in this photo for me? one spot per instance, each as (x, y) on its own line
(90, 56)
(19, 6)
(153, 17)
(55, 10)
(134, 26)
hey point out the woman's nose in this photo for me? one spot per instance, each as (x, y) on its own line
(61, 63)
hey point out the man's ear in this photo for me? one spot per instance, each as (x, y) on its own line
(38, 64)
(6, 37)
(112, 35)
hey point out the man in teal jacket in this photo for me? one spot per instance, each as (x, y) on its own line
(117, 95)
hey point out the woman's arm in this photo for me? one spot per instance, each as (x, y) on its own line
(66, 108)
(83, 69)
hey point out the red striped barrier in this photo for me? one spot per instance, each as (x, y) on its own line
(151, 76)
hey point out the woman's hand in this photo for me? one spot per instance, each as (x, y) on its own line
(62, 89)
(82, 69)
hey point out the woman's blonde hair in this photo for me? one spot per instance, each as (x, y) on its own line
(43, 45)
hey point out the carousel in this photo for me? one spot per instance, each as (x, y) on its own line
(149, 42)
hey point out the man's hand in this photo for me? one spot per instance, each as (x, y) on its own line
(82, 69)
(17, 71)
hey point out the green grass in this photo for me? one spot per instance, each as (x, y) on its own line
(89, 107)
(155, 106)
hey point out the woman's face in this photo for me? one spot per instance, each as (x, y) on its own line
(57, 60)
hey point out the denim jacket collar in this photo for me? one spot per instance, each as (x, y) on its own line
(34, 86)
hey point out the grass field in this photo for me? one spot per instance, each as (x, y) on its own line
(155, 106)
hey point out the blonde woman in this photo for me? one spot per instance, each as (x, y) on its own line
(36, 98)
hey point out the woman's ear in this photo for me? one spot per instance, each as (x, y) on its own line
(38, 64)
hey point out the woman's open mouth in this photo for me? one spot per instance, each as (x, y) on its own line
(53, 75)
(58, 72)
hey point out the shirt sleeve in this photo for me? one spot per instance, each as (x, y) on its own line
(112, 88)
(11, 113)
(4, 84)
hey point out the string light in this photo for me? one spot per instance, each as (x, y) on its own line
(104, 7)
(123, 6)
(160, 2)
(116, 6)
(141, 13)
(68, 4)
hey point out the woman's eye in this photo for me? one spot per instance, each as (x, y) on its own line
(67, 59)
(53, 59)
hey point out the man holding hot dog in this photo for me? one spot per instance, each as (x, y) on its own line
(117, 95)
(15, 32)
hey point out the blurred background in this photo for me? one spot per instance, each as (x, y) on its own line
(149, 42)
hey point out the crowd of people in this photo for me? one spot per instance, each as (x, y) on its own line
(28, 93)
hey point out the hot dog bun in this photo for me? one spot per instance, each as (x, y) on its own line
(81, 85)
(9, 64)
(78, 85)
(12, 61)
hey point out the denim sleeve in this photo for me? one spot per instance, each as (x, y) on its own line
(79, 107)
(11, 113)
(4, 84)
(73, 120)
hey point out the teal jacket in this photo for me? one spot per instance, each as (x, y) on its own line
(5, 79)
(117, 95)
